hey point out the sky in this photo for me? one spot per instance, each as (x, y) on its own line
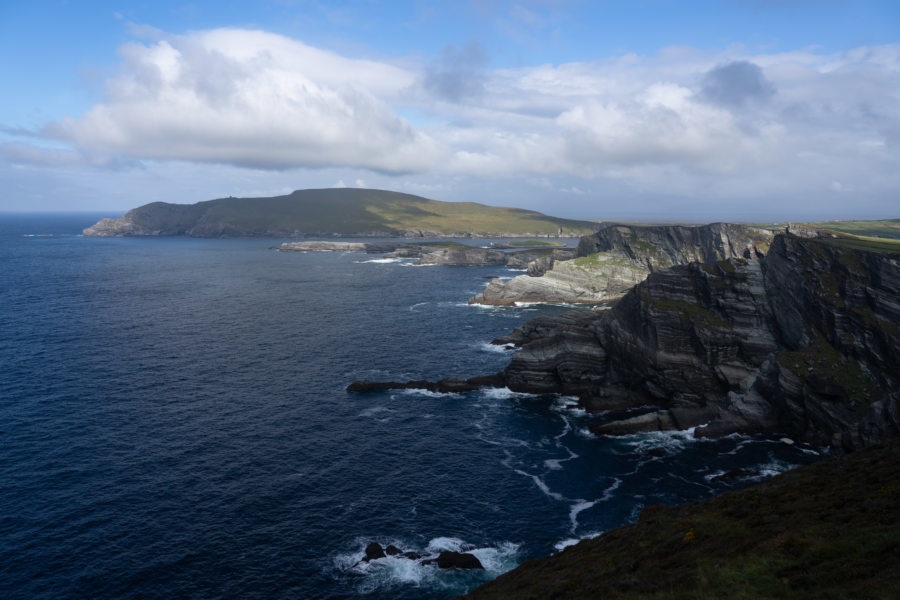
(738, 110)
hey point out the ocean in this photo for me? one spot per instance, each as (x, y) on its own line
(174, 423)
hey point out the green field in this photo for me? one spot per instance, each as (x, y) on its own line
(865, 242)
(885, 228)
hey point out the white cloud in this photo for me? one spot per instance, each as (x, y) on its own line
(729, 126)
(252, 99)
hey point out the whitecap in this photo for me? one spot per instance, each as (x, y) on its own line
(579, 506)
(504, 393)
(375, 411)
(497, 559)
(563, 544)
(382, 261)
(586, 433)
(608, 492)
(770, 469)
(445, 544)
(426, 393)
(539, 482)
(535, 304)
(670, 441)
(496, 348)
(710, 476)
(568, 405)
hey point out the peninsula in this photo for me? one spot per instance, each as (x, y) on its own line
(337, 212)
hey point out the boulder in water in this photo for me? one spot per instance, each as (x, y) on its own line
(455, 560)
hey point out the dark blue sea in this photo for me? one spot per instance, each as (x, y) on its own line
(173, 424)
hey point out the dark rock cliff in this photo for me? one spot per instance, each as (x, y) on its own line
(804, 341)
(661, 246)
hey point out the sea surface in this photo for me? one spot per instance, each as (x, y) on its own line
(174, 423)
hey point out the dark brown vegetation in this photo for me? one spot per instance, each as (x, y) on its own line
(826, 531)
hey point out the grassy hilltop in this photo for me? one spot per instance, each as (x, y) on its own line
(343, 211)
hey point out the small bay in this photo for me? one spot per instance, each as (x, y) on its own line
(173, 423)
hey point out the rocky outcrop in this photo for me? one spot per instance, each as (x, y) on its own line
(317, 246)
(805, 341)
(455, 560)
(443, 560)
(460, 256)
(616, 258)
(437, 253)
(154, 219)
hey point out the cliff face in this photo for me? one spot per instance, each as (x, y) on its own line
(157, 218)
(804, 341)
(610, 262)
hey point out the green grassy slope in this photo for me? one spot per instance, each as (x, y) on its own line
(349, 210)
(865, 242)
(885, 228)
(827, 531)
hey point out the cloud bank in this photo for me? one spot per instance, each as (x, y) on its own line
(732, 125)
(251, 99)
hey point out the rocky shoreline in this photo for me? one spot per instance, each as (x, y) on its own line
(437, 253)
(803, 341)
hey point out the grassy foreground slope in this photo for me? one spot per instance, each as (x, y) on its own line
(356, 211)
(826, 531)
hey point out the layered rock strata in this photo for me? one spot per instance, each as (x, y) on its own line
(616, 258)
(804, 341)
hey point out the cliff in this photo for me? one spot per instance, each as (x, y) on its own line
(336, 212)
(804, 341)
(611, 261)
(828, 530)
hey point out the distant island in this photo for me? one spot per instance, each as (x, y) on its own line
(337, 212)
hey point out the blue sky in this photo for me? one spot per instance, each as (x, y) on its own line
(732, 110)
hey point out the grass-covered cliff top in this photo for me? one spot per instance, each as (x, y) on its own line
(867, 242)
(885, 228)
(827, 531)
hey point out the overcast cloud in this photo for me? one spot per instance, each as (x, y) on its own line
(730, 126)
